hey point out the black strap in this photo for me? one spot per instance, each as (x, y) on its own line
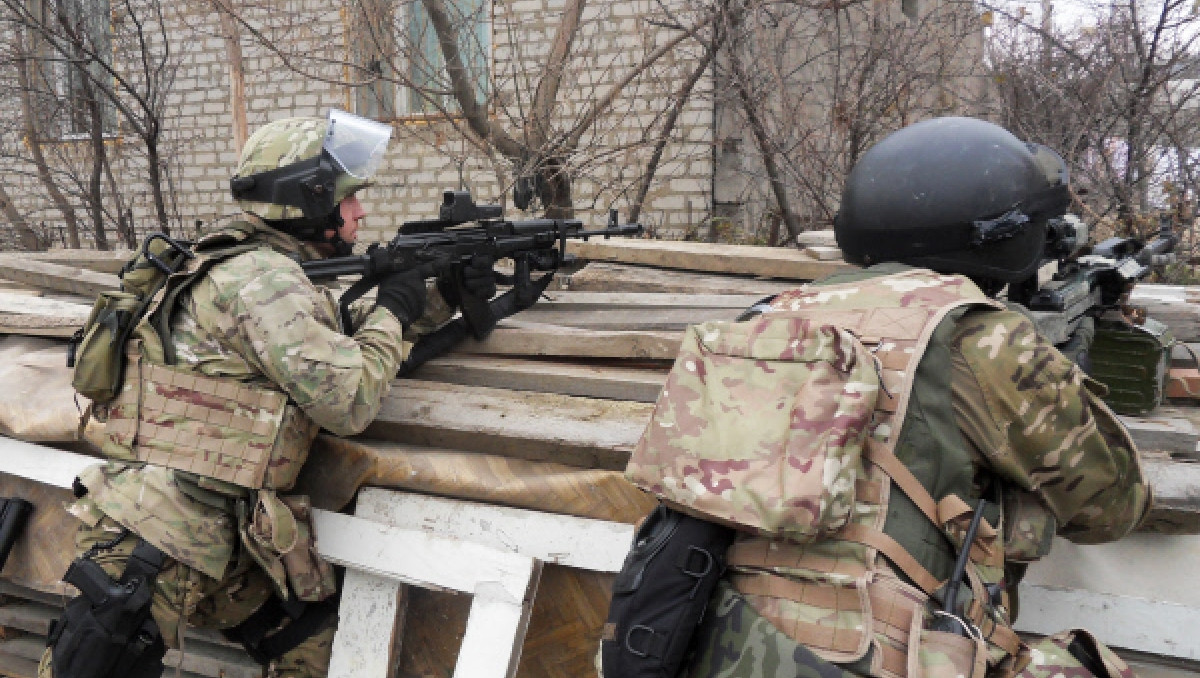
(448, 336)
(307, 619)
(316, 617)
(162, 315)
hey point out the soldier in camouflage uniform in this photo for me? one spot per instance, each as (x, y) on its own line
(260, 365)
(991, 411)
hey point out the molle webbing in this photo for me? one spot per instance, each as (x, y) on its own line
(218, 428)
(895, 610)
(897, 337)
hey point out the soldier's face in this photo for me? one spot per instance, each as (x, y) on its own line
(352, 211)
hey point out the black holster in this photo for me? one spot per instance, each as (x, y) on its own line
(660, 594)
(107, 631)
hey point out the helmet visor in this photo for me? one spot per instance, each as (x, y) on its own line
(356, 144)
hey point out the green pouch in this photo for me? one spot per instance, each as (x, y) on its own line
(99, 347)
(1131, 360)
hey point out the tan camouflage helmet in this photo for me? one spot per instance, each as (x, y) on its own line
(282, 143)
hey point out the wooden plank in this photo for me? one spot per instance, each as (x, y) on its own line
(823, 253)
(1176, 306)
(597, 545)
(775, 262)
(608, 277)
(371, 609)
(495, 636)
(1183, 382)
(94, 260)
(503, 584)
(592, 381)
(586, 432)
(18, 657)
(823, 238)
(640, 319)
(1162, 431)
(57, 277)
(37, 326)
(1119, 621)
(417, 557)
(572, 300)
(23, 304)
(517, 338)
(1176, 507)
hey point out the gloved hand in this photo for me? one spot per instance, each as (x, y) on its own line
(478, 279)
(403, 293)
(1078, 344)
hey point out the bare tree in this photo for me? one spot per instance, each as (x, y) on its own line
(92, 72)
(1117, 97)
(813, 85)
(537, 105)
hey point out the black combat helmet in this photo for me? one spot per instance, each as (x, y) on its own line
(957, 195)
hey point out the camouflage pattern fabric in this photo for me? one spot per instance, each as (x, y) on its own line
(1033, 420)
(1050, 658)
(1042, 427)
(211, 603)
(257, 320)
(761, 425)
(734, 641)
(281, 143)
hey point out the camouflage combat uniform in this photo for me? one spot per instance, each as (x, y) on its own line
(993, 405)
(254, 319)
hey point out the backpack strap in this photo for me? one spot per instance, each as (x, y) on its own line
(210, 251)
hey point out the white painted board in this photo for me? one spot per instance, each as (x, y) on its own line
(588, 544)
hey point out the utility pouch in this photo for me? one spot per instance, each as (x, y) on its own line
(660, 594)
(309, 575)
(761, 425)
(107, 631)
(14, 513)
(938, 654)
(97, 350)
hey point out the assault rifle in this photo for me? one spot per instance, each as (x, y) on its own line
(1088, 283)
(444, 245)
(1130, 352)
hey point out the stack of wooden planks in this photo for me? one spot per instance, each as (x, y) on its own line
(540, 415)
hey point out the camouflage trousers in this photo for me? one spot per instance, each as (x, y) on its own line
(185, 597)
(734, 641)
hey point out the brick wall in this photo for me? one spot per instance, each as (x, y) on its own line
(426, 155)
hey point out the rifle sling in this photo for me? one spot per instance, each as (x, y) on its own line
(449, 335)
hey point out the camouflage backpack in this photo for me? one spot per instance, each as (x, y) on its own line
(761, 425)
(150, 283)
(764, 425)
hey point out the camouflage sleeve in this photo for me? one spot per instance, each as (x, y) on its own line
(1039, 423)
(290, 330)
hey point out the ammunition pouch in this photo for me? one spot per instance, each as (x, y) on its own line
(107, 631)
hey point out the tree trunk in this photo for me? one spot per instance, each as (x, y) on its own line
(27, 238)
(160, 205)
(33, 141)
(681, 100)
(555, 188)
(95, 187)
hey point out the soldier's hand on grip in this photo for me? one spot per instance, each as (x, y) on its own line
(476, 279)
(403, 293)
